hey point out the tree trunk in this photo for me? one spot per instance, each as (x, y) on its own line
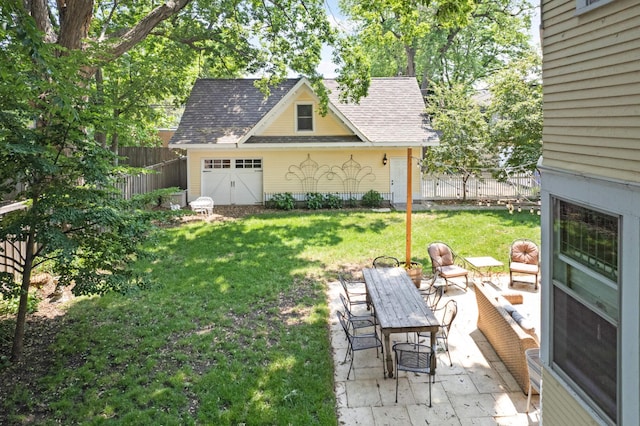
(411, 61)
(101, 135)
(40, 13)
(115, 138)
(18, 337)
(75, 18)
(465, 178)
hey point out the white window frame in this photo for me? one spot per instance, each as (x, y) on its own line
(589, 305)
(248, 163)
(297, 117)
(618, 198)
(216, 163)
(584, 6)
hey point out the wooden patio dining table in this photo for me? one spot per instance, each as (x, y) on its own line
(399, 307)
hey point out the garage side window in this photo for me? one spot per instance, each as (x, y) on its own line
(586, 307)
(248, 163)
(304, 117)
(217, 163)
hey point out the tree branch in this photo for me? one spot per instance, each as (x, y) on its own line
(107, 21)
(137, 33)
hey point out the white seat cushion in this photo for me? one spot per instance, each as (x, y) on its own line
(524, 268)
(451, 271)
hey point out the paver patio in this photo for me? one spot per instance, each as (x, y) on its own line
(476, 390)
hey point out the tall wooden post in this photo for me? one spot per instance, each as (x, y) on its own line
(409, 206)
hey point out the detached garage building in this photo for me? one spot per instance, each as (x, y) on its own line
(243, 147)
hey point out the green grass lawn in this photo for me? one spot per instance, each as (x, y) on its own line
(234, 330)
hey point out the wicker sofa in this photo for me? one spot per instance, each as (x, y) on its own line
(508, 338)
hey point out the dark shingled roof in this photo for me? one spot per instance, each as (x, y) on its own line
(223, 111)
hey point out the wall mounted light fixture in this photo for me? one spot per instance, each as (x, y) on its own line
(384, 159)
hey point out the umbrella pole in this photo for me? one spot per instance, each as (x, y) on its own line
(409, 206)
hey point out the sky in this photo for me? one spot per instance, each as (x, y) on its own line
(327, 68)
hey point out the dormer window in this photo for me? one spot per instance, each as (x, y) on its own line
(304, 117)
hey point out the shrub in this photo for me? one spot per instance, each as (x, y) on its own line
(372, 198)
(351, 202)
(10, 296)
(283, 201)
(333, 201)
(315, 200)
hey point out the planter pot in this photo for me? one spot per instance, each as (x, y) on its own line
(414, 272)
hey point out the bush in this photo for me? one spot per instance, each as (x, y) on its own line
(10, 296)
(351, 202)
(315, 200)
(283, 201)
(372, 199)
(333, 201)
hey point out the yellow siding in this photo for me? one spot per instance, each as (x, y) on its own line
(277, 164)
(559, 407)
(283, 124)
(592, 88)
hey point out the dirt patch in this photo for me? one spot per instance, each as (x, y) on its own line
(224, 213)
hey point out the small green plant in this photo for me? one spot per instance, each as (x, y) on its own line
(156, 198)
(351, 202)
(315, 200)
(332, 201)
(9, 303)
(372, 198)
(283, 201)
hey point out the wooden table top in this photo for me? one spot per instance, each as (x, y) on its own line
(398, 304)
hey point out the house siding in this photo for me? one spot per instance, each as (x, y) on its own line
(592, 89)
(284, 124)
(591, 157)
(277, 164)
(560, 408)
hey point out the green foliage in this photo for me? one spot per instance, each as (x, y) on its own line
(283, 201)
(157, 198)
(75, 219)
(9, 304)
(351, 202)
(315, 200)
(10, 296)
(516, 108)
(452, 41)
(332, 201)
(372, 198)
(464, 134)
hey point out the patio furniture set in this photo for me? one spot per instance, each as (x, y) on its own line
(394, 305)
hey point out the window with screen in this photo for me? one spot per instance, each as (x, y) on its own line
(304, 116)
(586, 302)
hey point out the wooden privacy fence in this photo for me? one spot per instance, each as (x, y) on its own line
(142, 156)
(10, 253)
(169, 174)
(524, 186)
(172, 173)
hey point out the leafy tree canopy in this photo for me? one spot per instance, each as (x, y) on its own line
(452, 41)
(516, 112)
(77, 75)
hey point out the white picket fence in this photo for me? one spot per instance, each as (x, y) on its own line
(524, 186)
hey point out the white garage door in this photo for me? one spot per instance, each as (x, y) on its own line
(232, 180)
